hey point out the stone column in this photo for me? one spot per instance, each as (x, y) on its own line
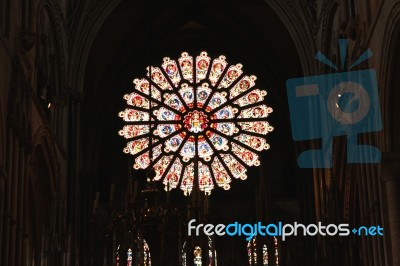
(363, 210)
(2, 205)
(14, 201)
(390, 175)
(20, 207)
(7, 201)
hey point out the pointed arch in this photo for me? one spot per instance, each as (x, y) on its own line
(267, 257)
(87, 31)
(389, 81)
(43, 186)
(45, 157)
(293, 18)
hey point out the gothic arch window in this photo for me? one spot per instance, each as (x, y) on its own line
(202, 120)
(276, 251)
(45, 209)
(129, 257)
(132, 256)
(198, 254)
(146, 254)
(212, 253)
(252, 253)
(183, 255)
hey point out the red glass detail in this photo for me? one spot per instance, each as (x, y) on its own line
(195, 121)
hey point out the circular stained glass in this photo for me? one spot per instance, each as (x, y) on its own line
(201, 120)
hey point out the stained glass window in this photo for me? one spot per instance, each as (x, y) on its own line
(129, 257)
(212, 253)
(117, 259)
(276, 251)
(197, 254)
(265, 255)
(146, 254)
(199, 119)
(252, 253)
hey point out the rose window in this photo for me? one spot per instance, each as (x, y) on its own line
(200, 120)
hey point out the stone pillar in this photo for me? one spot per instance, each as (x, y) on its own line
(73, 203)
(14, 202)
(20, 206)
(7, 201)
(2, 199)
(390, 175)
(27, 228)
(363, 209)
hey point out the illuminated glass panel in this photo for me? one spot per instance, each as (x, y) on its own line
(129, 258)
(276, 251)
(187, 94)
(143, 161)
(206, 183)
(251, 98)
(202, 64)
(142, 87)
(146, 254)
(231, 75)
(203, 93)
(206, 119)
(265, 255)
(132, 131)
(245, 84)
(212, 253)
(173, 101)
(218, 66)
(245, 155)
(197, 256)
(186, 65)
(252, 253)
(158, 78)
(188, 178)
(171, 68)
(221, 176)
(172, 178)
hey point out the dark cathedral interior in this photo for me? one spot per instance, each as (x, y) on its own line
(79, 186)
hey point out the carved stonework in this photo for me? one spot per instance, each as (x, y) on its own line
(19, 104)
(353, 29)
(26, 39)
(326, 19)
(310, 10)
(295, 9)
(61, 27)
(312, 7)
